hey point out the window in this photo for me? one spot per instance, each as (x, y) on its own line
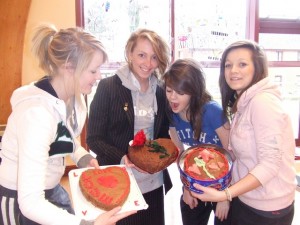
(113, 21)
(279, 34)
(279, 31)
(202, 30)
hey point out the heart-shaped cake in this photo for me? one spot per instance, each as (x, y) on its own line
(105, 188)
(151, 156)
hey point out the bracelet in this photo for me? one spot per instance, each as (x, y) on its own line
(228, 194)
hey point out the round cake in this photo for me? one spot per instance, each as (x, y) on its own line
(206, 164)
(105, 188)
(153, 156)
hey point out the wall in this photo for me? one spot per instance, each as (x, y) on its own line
(59, 12)
(17, 19)
(13, 18)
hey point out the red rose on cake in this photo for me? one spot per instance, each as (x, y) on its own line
(139, 139)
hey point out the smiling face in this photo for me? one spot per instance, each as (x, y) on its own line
(239, 69)
(143, 59)
(91, 74)
(178, 102)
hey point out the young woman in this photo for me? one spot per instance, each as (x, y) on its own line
(261, 138)
(196, 119)
(127, 102)
(47, 117)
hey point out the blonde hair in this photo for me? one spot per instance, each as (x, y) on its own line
(54, 48)
(160, 47)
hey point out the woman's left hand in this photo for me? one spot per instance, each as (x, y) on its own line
(129, 164)
(94, 163)
(222, 210)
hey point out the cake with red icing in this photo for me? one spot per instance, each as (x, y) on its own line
(152, 156)
(105, 188)
(205, 164)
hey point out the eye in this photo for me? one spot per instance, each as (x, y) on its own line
(242, 64)
(169, 90)
(141, 55)
(154, 57)
(227, 65)
(180, 93)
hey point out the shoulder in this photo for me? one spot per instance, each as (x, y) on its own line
(109, 84)
(111, 81)
(264, 101)
(212, 106)
(213, 113)
(266, 106)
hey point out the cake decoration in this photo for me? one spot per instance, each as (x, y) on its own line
(139, 138)
(206, 164)
(105, 188)
(151, 156)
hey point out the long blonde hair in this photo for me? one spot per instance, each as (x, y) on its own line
(160, 48)
(54, 48)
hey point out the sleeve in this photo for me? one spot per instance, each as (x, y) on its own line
(35, 132)
(98, 125)
(268, 120)
(79, 154)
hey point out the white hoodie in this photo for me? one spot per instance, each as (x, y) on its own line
(37, 138)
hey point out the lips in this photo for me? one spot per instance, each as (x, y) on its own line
(145, 69)
(174, 106)
(235, 78)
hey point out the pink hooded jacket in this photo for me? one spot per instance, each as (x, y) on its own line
(263, 143)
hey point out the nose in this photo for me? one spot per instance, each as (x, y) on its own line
(173, 95)
(148, 62)
(234, 69)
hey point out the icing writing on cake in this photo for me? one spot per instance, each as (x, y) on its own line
(105, 188)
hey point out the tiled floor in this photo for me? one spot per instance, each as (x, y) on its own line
(172, 209)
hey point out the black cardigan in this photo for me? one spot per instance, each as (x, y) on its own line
(111, 122)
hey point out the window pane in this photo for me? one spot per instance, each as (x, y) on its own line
(281, 47)
(203, 30)
(288, 78)
(279, 9)
(113, 21)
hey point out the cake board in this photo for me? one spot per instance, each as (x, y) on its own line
(87, 211)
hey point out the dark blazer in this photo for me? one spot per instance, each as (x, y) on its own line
(111, 121)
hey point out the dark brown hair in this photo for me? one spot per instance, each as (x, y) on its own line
(185, 76)
(229, 96)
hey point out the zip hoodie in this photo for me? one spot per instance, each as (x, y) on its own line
(37, 138)
(144, 104)
(263, 143)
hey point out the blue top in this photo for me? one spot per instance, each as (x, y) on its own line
(212, 119)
